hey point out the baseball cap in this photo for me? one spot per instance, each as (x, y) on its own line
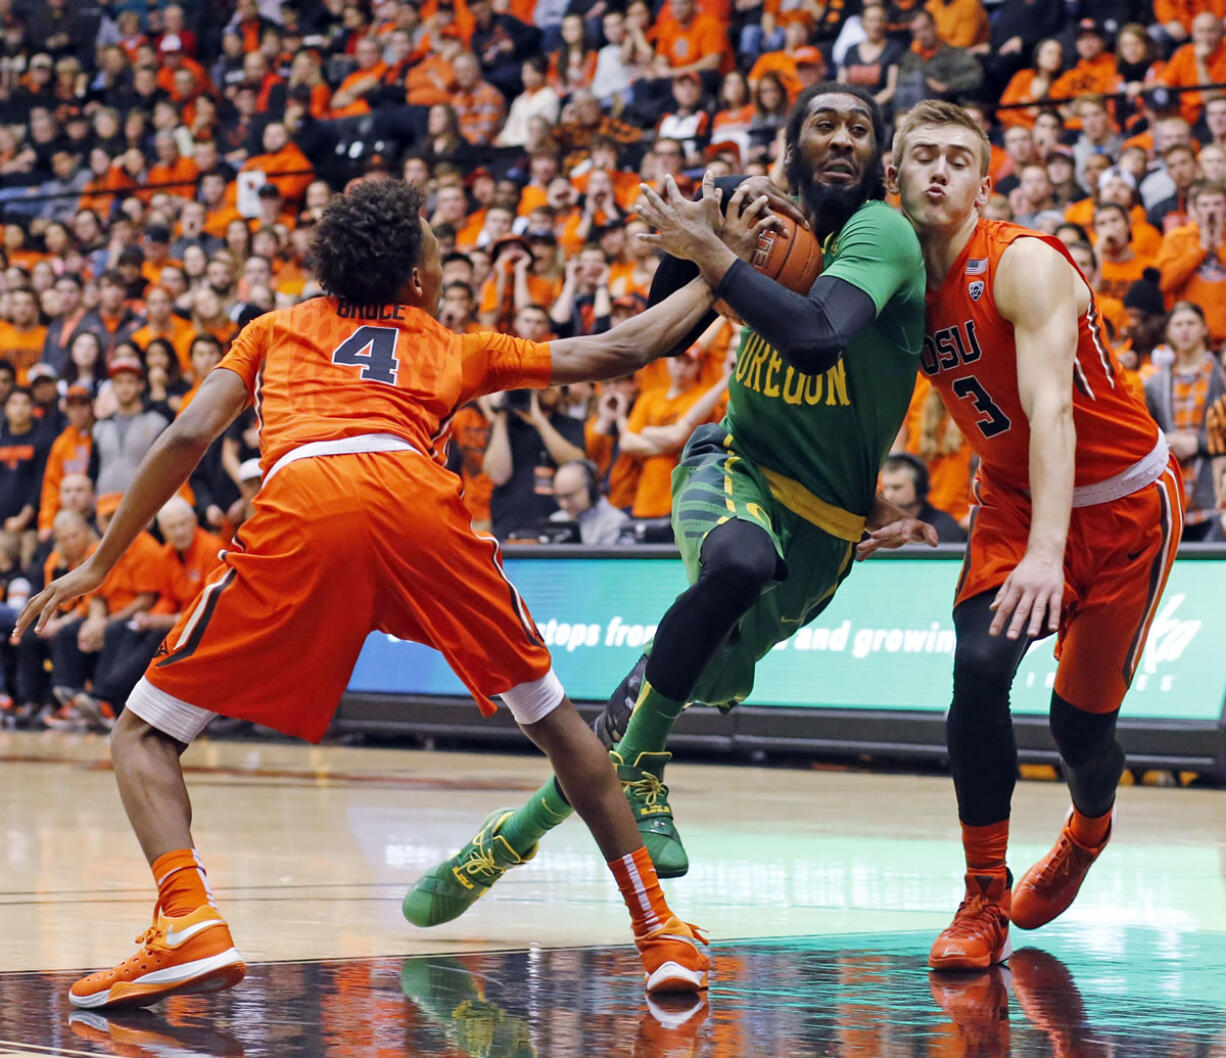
(78, 392)
(249, 470)
(124, 363)
(629, 302)
(809, 55)
(171, 42)
(1088, 25)
(714, 150)
(41, 371)
(689, 76)
(1116, 173)
(1059, 151)
(108, 503)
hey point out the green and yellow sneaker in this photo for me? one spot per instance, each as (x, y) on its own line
(448, 890)
(647, 795)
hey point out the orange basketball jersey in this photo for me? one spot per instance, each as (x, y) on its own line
(970, 357)
(326, 370)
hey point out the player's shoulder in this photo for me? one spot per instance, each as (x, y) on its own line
(877, 224)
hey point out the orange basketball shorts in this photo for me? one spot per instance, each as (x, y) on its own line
(1116, 564)
(338, 547)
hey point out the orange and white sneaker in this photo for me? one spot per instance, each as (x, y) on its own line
(190, 953)
(1052, 884)
(674, 958)
(978, 937)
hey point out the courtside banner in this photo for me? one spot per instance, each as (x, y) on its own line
(886, 641)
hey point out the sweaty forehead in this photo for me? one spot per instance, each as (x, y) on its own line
(839, 104)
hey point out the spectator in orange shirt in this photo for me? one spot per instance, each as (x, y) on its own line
(1202, 61)
(22, 337)
(1095, 72)
(1193, 258)
(658, 427)
(68, 458)
(433, 80)
(349, 100)
(480, 107)
(1174, 17)
(172, 168)
(960, 23)
(1119, 264)
(282, 156)
(131, 587)
(1035, 82)
(161, 322)
(181, 567)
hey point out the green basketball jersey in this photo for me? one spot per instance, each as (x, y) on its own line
(831, 432)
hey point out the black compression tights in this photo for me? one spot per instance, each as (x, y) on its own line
(979, 729)
(738, 561)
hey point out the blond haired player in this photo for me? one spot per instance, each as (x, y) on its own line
(1077, 519)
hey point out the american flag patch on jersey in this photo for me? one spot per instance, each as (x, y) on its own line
(976, 266)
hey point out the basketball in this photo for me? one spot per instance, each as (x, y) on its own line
(791, 257)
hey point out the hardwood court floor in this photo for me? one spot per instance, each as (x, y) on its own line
(821, 890)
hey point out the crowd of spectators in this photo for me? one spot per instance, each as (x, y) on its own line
(162, 165)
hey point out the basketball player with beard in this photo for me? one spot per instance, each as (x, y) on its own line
(768, 505)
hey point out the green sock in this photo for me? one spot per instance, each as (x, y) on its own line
(650, 724)
(545, 809)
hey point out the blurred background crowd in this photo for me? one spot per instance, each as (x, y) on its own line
(162, 165)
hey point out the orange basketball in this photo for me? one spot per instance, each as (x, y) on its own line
(791, 257)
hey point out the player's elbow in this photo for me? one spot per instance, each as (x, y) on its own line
(813, 356)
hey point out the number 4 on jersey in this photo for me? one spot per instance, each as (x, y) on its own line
(373, 349)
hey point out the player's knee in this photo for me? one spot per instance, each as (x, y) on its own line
(981, 668)
(1080, 736)
(738, 565)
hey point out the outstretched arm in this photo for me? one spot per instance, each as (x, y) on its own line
(163, 470)
(1038, 292)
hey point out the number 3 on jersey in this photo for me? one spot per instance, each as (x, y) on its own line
(373, 349)
(996, 421)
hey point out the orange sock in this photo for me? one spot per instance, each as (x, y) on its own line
(640, 888)
(1090, 831)
(985, 847)
(182, 886)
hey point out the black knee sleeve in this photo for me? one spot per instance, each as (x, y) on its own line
(1093, 758)
(738, 562)
(979, 728)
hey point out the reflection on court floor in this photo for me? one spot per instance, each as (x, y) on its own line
(852, 996)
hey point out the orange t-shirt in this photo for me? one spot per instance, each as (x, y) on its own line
(470, 433)
(653, 498)
(22, 348)
(136, 573)
(1181, 72)
(949, 474)
(970, 357)
(1020, 89)
(184, 173)
(180, 334)
(960, 23)
(684, 45)
(623, 472)
(289, 159)
(69, 454)
(326, 370)
(1117, 276)
(359, 106)
(1099, 76)
(182, 576)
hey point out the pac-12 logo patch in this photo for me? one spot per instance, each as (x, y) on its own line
(975, 289)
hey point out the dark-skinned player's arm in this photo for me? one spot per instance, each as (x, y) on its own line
(810, 331)
(640, 339)
(1036, 290)
(166, 466)
(634, 343)
(889, 526)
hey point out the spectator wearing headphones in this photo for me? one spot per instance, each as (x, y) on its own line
(904, 483)
(577, 491)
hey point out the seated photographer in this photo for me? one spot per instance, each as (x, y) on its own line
(530, 438)
(904, 483)
(584, 507)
